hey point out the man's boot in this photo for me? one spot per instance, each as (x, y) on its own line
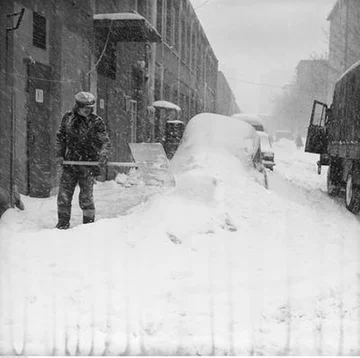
(88, 219)
(63, 222)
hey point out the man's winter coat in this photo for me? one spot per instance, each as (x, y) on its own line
(82, 138)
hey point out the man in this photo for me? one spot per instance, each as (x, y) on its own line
(82, 136)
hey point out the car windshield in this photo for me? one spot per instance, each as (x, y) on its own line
(265, 144)
(258, 127)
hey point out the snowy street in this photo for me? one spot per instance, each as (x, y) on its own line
(216, 265)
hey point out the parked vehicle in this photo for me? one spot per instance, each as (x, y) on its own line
(208, 133)
(252, 119)
(334, 133)
(267, 151)
(279, 134)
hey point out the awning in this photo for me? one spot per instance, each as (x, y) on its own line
(166, 104)
(126, 27)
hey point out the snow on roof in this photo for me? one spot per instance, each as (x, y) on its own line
(175, 121)
(119, 16)
(351, 68)
(250, 118)
(263, 134)
(166, 104)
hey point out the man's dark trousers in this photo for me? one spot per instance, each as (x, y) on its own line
(70, 177)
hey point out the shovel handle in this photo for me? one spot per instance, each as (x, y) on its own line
(112, 164)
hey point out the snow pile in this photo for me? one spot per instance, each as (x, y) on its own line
(217, 265)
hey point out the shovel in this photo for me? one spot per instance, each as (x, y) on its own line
(150, 159)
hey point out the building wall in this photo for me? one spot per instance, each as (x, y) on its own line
(182, 69)
(344, 41)
(186, 64)
(6, 7)
(311, 84)
(68, 52)
(225, 100)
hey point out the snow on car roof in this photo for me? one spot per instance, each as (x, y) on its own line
(250, 118)
(216, 129)
(263, 134)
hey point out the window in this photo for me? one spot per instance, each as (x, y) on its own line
(142, 8)
(177, 26)
(39, 31)
(188, 45)
(168, 21)
(193, 48)
(157, 90)
(183, 39)
(159, 16)
(173, 24)
(133, 120)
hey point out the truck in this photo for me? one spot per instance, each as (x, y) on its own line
(334, 134)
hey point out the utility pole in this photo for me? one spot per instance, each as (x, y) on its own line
(10, 88)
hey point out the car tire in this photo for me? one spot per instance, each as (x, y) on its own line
(352, 195)
(333, 179)
(266, 182)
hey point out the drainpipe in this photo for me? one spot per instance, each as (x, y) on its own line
(10, 87)
(163, 34)
(346, 50)
(152, 64)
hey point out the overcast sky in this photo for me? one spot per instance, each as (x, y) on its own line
(262, 41)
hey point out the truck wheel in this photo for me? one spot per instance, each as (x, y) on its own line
(352, 195)
(333, 179)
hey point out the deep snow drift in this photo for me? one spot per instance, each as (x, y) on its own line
(217, 265)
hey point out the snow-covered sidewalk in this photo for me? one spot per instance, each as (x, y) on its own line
(217, 265)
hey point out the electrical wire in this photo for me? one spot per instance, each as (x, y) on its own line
(203, 4)
(103, 51)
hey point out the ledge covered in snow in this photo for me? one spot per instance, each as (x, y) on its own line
(126, 27)
(166, 104)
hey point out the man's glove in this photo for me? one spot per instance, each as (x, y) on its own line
(59, 161)
(102, 161)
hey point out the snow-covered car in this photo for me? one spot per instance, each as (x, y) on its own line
(212, 140)
(280, 134)
(252, 119)
(267, 151)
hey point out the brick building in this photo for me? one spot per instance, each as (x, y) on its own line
(46, 60)
(344, 41)
(129, 53)
(225, 100)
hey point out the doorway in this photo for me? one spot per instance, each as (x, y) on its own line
(38, 130)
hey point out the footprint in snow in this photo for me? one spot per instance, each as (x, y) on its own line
(174, 239)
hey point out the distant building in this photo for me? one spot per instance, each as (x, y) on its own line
(311, 78)
(344, 41)
(225, 100)
(311, 84)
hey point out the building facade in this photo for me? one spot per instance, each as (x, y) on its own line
(129, 53)
(311, 84)
(225, 100)
(48, 57)
(344, 40)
